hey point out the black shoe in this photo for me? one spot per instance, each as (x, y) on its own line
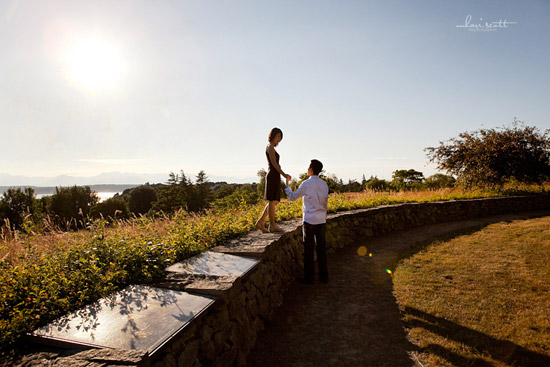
(305, 281)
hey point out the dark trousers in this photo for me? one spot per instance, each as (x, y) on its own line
(315, 233)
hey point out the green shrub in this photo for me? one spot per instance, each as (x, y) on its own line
(241, 197)
(71, 205)
(141, 199)
(113, 208)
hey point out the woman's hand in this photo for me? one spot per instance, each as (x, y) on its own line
(288, 178)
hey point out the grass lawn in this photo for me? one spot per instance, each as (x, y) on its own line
(481, 299)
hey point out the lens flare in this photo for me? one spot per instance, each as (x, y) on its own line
(370, 254)
(362, 251)
(389, 271)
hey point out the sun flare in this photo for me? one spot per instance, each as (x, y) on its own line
(94, 64)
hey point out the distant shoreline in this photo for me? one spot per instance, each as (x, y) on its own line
(50, 190)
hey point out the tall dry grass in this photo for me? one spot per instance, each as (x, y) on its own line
(17, 247)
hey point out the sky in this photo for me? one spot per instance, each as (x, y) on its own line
(152, 87)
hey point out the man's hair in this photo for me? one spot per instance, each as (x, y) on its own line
(316, 166)
(273, 133)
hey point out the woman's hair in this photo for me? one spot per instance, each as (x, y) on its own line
(273, 133)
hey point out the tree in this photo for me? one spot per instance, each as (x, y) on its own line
(224, 191)
(439, 181)
(141, 199)
(352, 186)
(334, 184)
(175, 195)
(202, 193)
(261, 186)
(181, 193)
(489, 157)
(115, 208)
(72, 205)
(15, 204)
(376, 184)
(406, 179)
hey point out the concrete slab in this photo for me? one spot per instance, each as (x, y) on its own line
(215, 264)
(136, 318)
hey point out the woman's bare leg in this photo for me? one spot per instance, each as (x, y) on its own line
(272, 226)
(261, 222)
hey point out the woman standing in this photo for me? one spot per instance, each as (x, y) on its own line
(272, 182)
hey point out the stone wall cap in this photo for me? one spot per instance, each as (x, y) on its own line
(215, 264)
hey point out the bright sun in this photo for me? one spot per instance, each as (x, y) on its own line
(94, 64)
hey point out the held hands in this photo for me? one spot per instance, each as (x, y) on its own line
(288, 178)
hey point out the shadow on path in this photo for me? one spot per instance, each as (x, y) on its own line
(354, 319)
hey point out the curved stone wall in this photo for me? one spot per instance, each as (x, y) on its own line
(224, 333)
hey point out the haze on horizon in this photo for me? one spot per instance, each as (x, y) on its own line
(148, 88)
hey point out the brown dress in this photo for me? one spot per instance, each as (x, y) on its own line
(272, 181)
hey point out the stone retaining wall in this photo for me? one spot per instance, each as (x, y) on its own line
(224, 334)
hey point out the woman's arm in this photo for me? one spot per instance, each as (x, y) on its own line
(273, 159)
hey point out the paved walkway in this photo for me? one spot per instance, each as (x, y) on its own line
(354, 319)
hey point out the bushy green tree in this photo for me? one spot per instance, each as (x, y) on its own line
(15, 204)
(490, 157)
(224, 191)
(113, 208)
(376, 184)
(72, 205)
(175, 195)
(352, 186)
(141, 199)
(407, 179)
(181, 193)
(334, 184)
(439, 181)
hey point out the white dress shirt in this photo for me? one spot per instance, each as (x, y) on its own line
(315, 193)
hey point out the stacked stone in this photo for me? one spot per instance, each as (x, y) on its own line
(83, 358)
(227, 332)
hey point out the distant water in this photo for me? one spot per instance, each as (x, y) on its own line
(102, 195)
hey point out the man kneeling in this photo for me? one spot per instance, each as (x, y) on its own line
(315, 193)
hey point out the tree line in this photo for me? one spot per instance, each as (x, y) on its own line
(483, 158)
(73, 207)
